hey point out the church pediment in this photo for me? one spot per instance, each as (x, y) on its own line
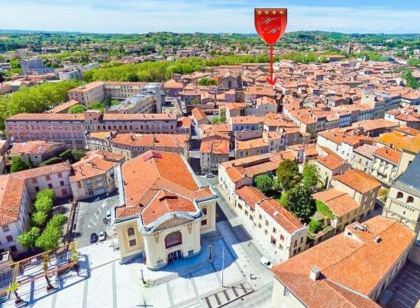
(171, 222)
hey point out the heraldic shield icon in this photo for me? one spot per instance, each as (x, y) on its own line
(270, 24)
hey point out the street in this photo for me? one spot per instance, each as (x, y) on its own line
(89, 218)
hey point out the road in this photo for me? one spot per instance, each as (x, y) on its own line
(89, 218)
(234, 232)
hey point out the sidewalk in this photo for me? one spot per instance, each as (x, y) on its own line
(262, 244)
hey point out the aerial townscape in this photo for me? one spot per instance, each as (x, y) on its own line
(163, 169)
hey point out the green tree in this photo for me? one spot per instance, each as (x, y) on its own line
(315, 226)
(301, 202)
(34, 99)
(44, 204)
(310, 176)
(27, 239)
(287, 174)
(284, 198)
(96, 106)
(50, 237)
(411, 82)
(46, 193)
(133, 77)
(18, 164)
(207, 82)
(39, 218)
(77, 109)
(264, 183)
(77, 154)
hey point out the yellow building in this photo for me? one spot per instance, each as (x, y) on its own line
(165, 209)
(360, 186)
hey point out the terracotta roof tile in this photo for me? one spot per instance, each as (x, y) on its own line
(358, 180)
(351, 268)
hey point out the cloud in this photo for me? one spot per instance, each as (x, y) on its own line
(139, 16)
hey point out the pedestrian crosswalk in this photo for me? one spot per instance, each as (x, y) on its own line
(227, 295)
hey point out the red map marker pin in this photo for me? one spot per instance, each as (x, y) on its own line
(270, 24)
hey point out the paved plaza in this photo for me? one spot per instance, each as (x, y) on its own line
(194, 282)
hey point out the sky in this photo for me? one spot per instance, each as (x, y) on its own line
(216, 16)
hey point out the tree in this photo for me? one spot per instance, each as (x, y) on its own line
(133, 77)
(34, 99)
(301, 202)
(50, 237)
(45, 193)
(287, 174)
(207, 82)
(315, 226)
(96, 106)
(77, 109)
(310, 176)
(284, 198)
(264, 183)
(44, 204)
(14, 286)
(77, 154)
(28, 239)
(39, 218)
(18, 164)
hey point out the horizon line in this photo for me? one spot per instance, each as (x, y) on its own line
(198, 32)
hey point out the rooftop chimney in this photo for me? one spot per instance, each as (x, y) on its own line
(315, 273)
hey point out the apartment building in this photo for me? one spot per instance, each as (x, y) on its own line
(17, 190)
(71, 128)
(59, 127)
(363, 157)
(131, 145)
(214, 150)
(344, 208)
(361, 187)
(385, 164)
(165, 210)
(403, 201)
(281, 228)
(97, 91)
(241, 172)
(95, 174)
(328, 165)
(35, 152)
(331, 274)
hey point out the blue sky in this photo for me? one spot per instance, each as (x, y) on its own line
(140, 16)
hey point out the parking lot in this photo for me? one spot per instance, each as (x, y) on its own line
(89, 218)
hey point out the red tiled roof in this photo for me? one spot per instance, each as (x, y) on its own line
(148, 174)
(358, 180)
(351, 269)
(282, 216)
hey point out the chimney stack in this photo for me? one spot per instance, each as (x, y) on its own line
(315, 273)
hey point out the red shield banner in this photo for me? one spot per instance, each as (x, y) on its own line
(270, 23)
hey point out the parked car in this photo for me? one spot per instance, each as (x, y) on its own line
(93, 238)
(102, 236)
(264, 261)
(108, 214)
(210, 175)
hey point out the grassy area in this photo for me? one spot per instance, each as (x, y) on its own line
(323, 209)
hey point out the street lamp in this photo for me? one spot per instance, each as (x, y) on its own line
(210, 253)
(142, 276)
